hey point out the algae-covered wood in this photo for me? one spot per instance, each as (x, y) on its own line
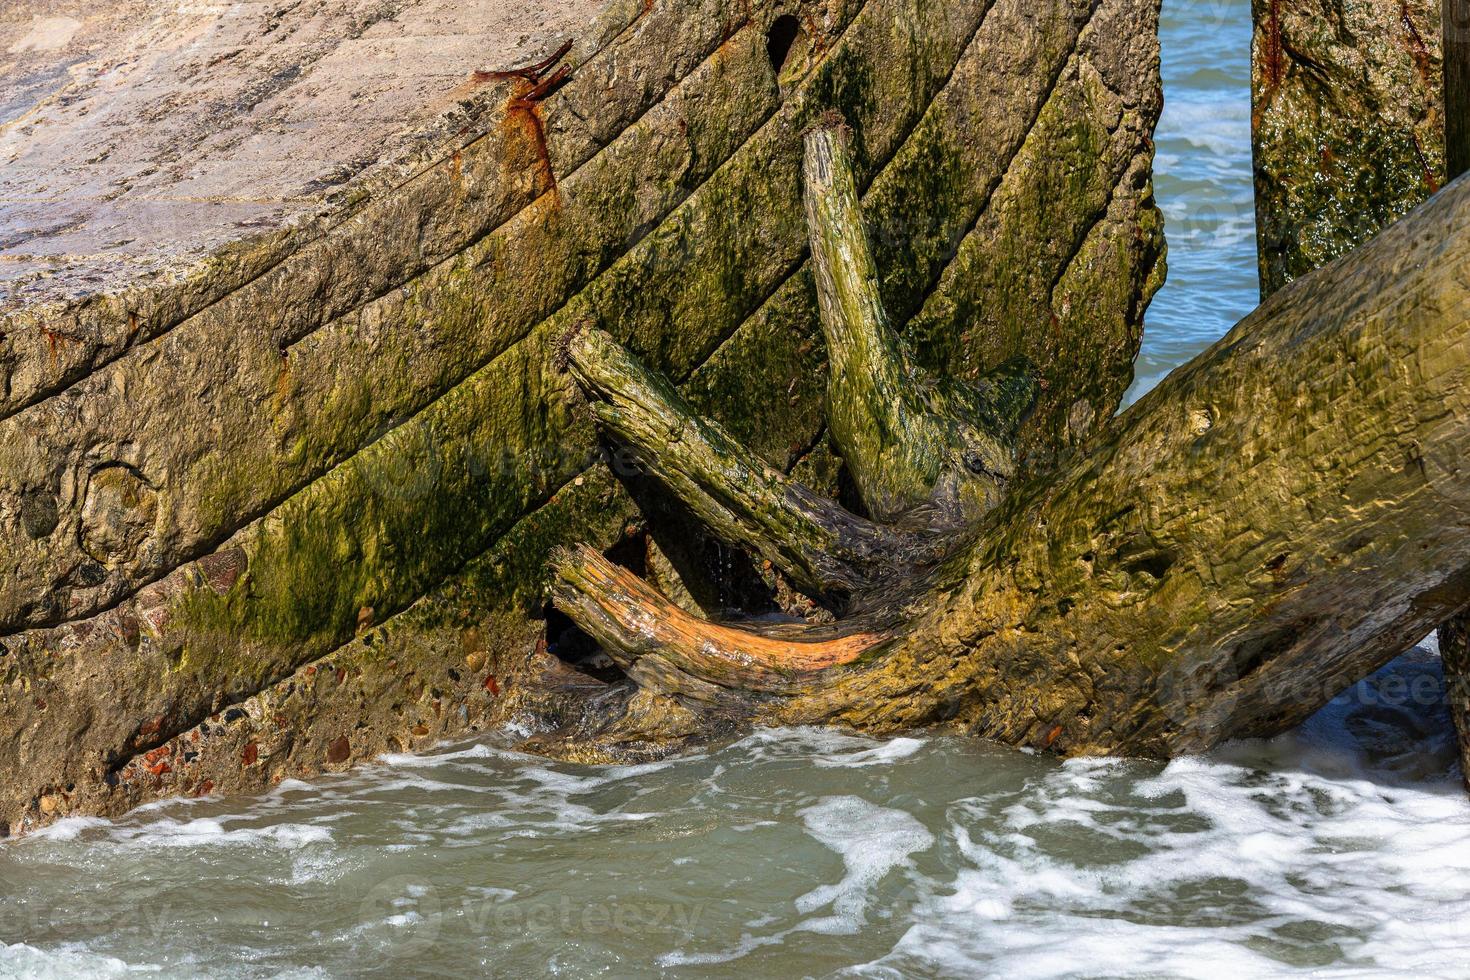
(1348, 125)
(1275, 522)
(1352, 128)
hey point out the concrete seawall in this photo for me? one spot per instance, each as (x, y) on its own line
(276, 490)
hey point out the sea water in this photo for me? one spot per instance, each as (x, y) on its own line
(1340, 850)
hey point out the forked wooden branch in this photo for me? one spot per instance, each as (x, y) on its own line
(1273, 523)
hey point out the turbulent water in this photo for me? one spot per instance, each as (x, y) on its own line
(1341, 850)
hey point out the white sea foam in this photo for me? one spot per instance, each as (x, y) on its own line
(883, 754)
(1211, 868)
(174, 833)
(71, 828)
(1384, 882)
(205, 832)
(828, 748)
(872, 841)
(22, 962)
(411, 760)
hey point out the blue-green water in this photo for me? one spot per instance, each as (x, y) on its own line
(1202, 180)
(1342, 850)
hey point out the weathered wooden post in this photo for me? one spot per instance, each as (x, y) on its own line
(1347, 125)
(1457, 85)
(1346, 148)
(1454, 636)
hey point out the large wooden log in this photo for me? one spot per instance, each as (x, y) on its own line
(825, 550)
(1276, 521)
(898, 439)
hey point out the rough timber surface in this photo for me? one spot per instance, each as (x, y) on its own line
(291, 508)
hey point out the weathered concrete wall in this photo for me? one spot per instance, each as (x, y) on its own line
(1348, 123)
(304, 521)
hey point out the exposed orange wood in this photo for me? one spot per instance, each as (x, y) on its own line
(654, 624)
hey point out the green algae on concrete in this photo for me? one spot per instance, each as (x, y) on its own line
(393, 449)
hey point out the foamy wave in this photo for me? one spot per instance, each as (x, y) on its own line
(22, 962)
(827, 747)
(872, 842)
(1214, 867)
